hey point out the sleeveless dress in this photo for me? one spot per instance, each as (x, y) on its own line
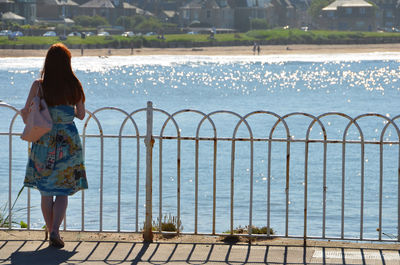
(55, 166)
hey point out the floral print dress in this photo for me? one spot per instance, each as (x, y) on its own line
(55, 166)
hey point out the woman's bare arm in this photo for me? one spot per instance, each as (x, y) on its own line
(80, 110)
(32, 94)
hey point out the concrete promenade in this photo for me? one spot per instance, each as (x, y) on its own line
(28, 247)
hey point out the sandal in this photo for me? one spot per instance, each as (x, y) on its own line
(55, 241)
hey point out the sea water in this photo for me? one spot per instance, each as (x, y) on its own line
(353, 84)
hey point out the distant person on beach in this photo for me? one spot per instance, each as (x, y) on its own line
(258, 49)
(254, 48)
(55, 164)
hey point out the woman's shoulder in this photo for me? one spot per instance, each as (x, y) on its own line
(35, 89)
(36, 83)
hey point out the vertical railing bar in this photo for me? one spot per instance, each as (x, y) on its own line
(214, 186)
(29, 209)
(83, 191)
(83, 211)
(305, 189)
(101, 180)
(269, 189)
(362, 191)
(343, 186)
(251, 186)
(287, 187)
(398, 195)
(380, 188)
(9, 178)
(137, 181)
(119, 183)
(160, 186)
(179, 184)
(196, 187)
(324, 192)
(232, 182)
(29, 198)
(149, 141)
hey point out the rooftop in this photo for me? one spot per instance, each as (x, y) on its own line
(98, 4)
(346, 3)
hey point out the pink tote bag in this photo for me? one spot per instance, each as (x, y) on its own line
(38, 122)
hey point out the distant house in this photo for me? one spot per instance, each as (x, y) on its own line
(52, 10)
(170, 16)
(247, 10)
(127, 10)
(6, 6)
(103, 8)
(212, 13)
(111, 9)
(397, 14)
(144, 12)
(387, 14)
(302, 15)
(356, 15)
(284, 13)
(158, 6)
(26, 9)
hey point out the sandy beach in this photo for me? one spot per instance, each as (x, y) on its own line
(232, 51)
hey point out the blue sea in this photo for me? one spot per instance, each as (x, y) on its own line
(352, 84)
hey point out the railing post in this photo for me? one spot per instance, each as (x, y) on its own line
(149, 142)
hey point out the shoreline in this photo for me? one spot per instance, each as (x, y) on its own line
(214, 51)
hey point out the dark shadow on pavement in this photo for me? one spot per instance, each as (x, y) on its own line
(50, 255)
(142, 251)
(115, 252)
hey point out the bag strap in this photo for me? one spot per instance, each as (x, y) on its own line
(40, 89)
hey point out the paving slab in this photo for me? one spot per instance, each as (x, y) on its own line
(30, 248)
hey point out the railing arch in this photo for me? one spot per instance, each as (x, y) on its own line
(351, 121)
(389, 122)
(279, 120)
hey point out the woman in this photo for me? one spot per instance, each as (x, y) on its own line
(55, 166)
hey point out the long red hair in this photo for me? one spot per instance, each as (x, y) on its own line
(60, 85)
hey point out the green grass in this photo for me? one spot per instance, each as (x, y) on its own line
(318, 36)
(91, 40)
(274, 36)
(29, 40)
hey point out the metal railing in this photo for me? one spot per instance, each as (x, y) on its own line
(352, 134)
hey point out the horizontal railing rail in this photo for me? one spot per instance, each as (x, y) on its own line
(327, 165)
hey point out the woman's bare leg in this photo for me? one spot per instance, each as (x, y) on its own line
(59, 209)
(47, 210)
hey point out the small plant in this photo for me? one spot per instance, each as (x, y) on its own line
(254, 230)
(4, 216)
(23, 224)
(169, 224)
(237, 232)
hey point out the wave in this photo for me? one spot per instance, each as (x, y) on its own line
(94, 63)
